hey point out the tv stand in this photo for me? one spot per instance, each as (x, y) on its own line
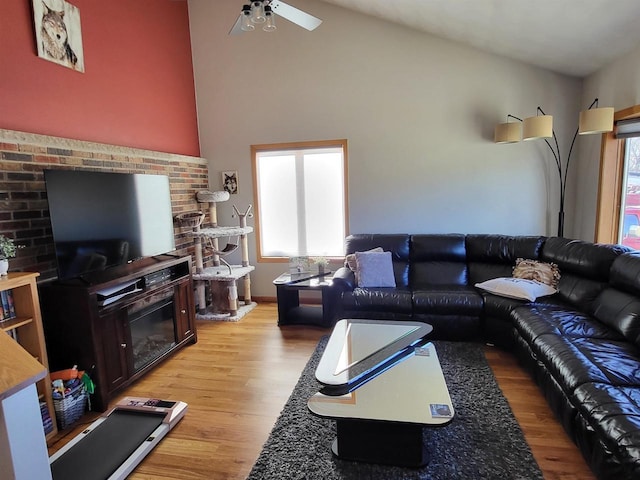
(120, 323)
(173, 255)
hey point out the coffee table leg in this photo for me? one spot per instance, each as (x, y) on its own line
(287, 299)
(388, 443)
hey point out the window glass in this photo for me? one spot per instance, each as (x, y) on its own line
(629, 233)
(301, 199)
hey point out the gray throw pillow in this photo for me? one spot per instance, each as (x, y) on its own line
(350, 260)
(375, 269)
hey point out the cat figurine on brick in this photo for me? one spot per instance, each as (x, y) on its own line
(55, 38)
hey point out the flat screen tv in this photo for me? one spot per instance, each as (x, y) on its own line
(101, 220)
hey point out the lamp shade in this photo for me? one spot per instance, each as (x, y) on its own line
(537, 127)
(596, 120)
(510, 132)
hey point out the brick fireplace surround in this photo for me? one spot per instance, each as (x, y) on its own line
(24, 213)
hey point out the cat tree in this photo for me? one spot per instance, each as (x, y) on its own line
(221, 276)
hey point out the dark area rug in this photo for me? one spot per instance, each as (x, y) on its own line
(483, 441)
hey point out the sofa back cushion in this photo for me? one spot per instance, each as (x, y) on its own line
(584, 268)
(438, 260)
(620, 311)
(625, 273)
(397, 244)
(618, 306)
(494, 256)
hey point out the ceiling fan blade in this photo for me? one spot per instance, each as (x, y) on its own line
(295, 15)
(237, 30)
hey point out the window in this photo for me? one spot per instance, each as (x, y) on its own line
(619, 168)
(629, 232)
(301, 199)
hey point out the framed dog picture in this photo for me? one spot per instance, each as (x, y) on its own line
(58, 33)
(230, 181)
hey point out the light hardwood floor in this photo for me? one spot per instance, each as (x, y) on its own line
(238, 376)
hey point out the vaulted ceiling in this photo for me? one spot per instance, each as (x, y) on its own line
(572, 37)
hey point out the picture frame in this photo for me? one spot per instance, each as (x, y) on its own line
(313, 266)
(58, 33)
(299, 265)
(230, 181)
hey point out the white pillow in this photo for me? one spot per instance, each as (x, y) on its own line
(520, 288)
(375, 269)
(350, 260)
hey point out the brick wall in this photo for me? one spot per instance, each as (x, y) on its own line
(24, 214)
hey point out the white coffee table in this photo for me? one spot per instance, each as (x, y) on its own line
(381, 420)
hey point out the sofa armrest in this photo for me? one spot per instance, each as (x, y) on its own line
(344, 279)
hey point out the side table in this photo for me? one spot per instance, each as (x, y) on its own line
(291, 312)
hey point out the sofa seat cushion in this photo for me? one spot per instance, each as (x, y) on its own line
(576, 361)
(496, 306)
(500, 307)
(395, 300)
(441, 300)
(535, 320)
(614, 413)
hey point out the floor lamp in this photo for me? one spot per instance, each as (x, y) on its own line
(592, 120)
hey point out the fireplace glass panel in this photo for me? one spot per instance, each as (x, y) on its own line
(152, 330)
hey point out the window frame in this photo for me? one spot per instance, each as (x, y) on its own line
(273, 147)
(611, 180)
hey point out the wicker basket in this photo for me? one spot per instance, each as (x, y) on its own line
(191, 219)
(70, 408)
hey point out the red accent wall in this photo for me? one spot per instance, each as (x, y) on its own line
(137, 89)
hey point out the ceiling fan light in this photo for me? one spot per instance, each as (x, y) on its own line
(257, 12)
(245, 23)
(510, 132)
(540, 126)
(270, 24)
(596, 120)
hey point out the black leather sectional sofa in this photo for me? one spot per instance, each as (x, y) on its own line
(581, 345)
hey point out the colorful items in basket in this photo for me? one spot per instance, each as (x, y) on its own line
(61, 388)
(64, 381)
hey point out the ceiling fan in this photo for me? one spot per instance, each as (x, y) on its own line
(261, 12)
